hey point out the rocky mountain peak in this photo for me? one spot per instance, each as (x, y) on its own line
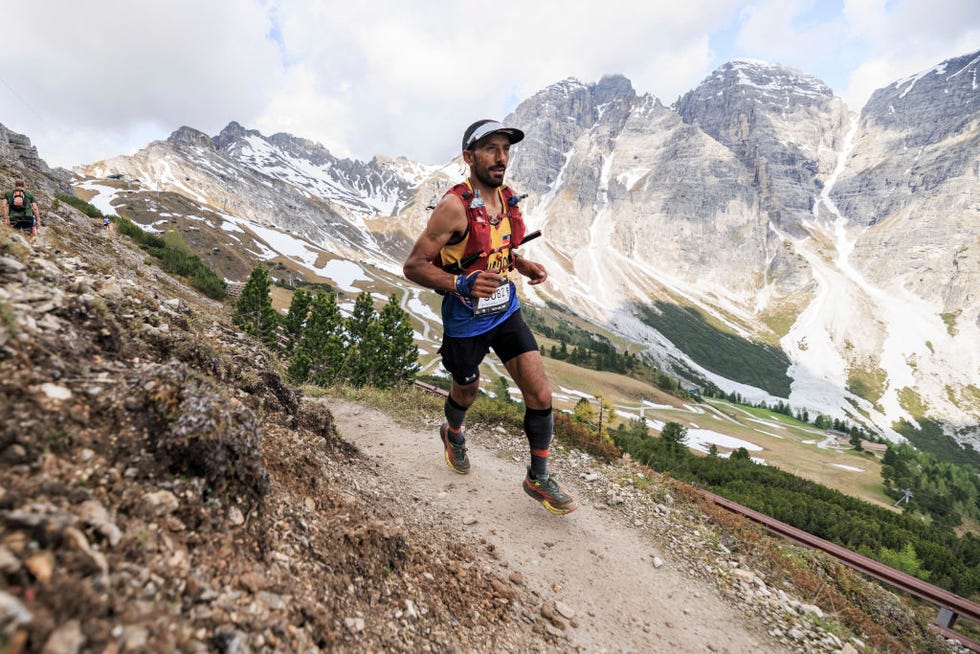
(18, 148)
(302, 148)
(190, 136)
(233, 133)
(762, 85)
(930, 105)
(614, 87)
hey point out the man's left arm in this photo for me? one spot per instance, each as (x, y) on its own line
(533, 270)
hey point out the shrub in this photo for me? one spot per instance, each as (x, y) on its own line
(81, 205)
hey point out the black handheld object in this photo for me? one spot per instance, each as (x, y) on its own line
(460, 266)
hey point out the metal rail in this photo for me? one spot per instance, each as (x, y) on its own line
(432, 389)
(950, 605)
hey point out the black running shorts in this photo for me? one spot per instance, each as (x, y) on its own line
(462, 356)
(24, 224)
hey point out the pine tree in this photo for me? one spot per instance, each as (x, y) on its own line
(299, 309)
(501, 390)
(254, 314)
(584, 413)
(320, 354)
(365, 354)
(400, 360)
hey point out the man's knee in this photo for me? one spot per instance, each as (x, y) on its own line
(538, 397)
(464, 395)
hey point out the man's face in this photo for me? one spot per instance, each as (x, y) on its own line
(488, 159)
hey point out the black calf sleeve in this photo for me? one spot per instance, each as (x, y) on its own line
(454, 414)
(539, 425)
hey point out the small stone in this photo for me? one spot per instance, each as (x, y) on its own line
(355, 625)
(566, 611)
(253, 581)
(548, 613)
(516, 578)
(502, 589)
(810, 609)
(235, 517)
(41, 566)
(134, 639)
(13, 611)
(410, 609)
(9, 564)
(658, 562)
(12, 265)
(162, 502)
(66, 639)
(469, 520)
(55, 392)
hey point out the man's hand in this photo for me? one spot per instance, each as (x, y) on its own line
(535, 272)
(479, 284)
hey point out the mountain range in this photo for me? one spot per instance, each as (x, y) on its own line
(757, 235)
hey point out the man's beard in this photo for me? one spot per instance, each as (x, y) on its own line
(485, 178)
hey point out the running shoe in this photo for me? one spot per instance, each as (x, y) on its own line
(549, 493)
(456, 457)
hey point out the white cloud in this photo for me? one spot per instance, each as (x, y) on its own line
(417, 73)
(907, 38)
(95, 78)
(115, 67)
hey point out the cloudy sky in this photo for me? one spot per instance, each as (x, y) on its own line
(89, 79)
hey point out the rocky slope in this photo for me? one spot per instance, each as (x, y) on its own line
(162, 489)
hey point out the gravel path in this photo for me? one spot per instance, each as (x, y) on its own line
(600, 575)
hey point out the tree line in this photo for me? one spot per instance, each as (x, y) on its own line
(947, 492)
(820, 421)
(929, 549)
(320, 346)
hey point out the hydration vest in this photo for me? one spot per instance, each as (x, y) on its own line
(477, 234)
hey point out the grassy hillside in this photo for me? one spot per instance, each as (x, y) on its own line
(730, 355)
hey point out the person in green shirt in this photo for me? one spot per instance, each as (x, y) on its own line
(20, 210)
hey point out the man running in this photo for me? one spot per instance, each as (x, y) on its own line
(467, 252)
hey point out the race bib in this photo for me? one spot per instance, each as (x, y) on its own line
(496, 303)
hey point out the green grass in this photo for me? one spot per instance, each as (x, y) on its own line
(868, 383)
(950, 320)
(749, 362)
(176, 258)
(912, 402)
(80, 204)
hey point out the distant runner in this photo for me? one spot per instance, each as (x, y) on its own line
(20, 209)
(466, 252)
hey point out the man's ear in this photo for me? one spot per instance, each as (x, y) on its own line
(468, 157)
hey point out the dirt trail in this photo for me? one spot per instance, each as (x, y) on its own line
(589, 562)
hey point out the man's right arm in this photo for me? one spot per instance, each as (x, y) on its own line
(448, 218)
